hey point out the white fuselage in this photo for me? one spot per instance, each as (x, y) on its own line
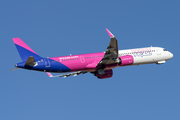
(147, 55)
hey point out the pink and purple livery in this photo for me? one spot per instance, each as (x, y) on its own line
(100, 64)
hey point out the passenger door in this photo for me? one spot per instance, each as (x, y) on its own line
(47, 63)
(158, 51)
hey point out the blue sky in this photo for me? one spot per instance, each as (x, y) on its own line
(57, 28)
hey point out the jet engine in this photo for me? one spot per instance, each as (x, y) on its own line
(126, 60)
(107, 74)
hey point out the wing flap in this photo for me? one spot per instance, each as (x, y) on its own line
(67, 75)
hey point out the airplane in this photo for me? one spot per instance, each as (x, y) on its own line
(100, 64)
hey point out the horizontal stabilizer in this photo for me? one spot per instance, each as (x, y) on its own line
(30, 61)
(14, 69)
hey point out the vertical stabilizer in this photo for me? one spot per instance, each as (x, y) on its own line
(24, 50)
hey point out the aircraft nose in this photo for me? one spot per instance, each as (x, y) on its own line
(170, 55)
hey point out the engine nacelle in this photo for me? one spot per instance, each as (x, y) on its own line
(108, 74)
(126, 60)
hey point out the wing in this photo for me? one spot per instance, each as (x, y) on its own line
(111, 53)
(67, 75)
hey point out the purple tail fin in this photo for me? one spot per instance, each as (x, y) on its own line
(24, 50)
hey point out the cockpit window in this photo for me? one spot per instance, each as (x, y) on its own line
(164, 49)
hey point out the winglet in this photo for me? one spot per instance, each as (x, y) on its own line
(49, 74)
(110, 34)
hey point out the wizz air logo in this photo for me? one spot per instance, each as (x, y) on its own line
(142, 52)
